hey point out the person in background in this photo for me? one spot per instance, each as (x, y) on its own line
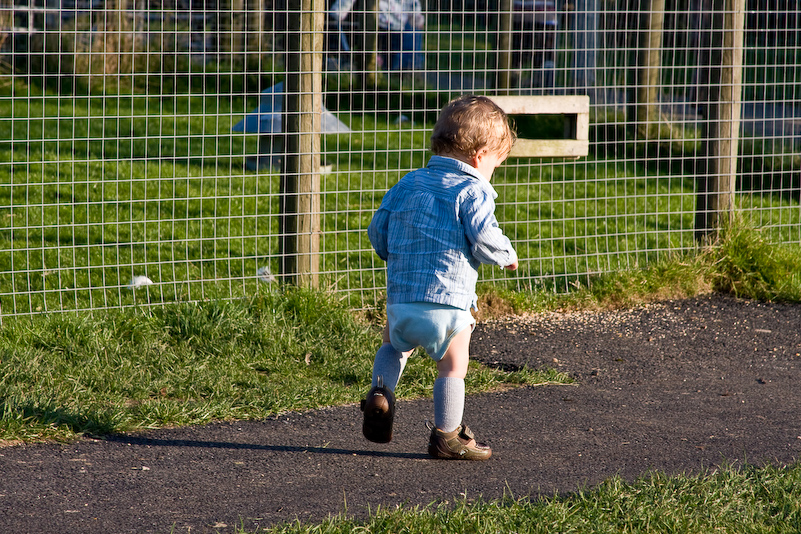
(339, 48)
(401, 24)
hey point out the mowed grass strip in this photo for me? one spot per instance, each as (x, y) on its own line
(288, 349)
(748, 499)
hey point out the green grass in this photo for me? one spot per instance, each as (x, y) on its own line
(97, 189)
(283, 349)
(163, 191)
(747, 500)
(64, 375)
(744, 261)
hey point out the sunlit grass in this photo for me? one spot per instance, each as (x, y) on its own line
(742, 500)
(96, 190)
(68, 374)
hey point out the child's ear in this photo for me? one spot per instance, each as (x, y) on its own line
(479, 155)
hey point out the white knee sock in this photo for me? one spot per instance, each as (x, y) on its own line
(448, 403)
(389, 364)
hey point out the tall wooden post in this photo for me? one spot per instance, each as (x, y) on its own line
(505, 47)
(300, 182)
(584, 33)
(649, 63)
(370, 46)
(717, 172)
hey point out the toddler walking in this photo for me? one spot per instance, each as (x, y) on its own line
(434, 228)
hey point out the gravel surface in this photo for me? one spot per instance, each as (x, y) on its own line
(678, 387)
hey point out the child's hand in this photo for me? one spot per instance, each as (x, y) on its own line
(512, 267)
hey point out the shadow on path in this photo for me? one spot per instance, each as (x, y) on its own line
(155, 442)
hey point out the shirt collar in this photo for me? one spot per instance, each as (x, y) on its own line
(453, 164)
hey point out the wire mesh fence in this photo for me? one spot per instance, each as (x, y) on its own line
(145, 154)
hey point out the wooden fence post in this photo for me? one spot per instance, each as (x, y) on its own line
(717, 172)
(505, 47)
(302, 123)
(649, 69)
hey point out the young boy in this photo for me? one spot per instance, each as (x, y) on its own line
(434, 228)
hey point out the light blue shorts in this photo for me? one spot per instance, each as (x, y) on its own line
(425, 324)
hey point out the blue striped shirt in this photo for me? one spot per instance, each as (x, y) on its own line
(434, 228)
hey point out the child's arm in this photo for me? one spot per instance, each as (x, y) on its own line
(377, 233)
(488, 243)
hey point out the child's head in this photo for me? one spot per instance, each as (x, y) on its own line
(471, 123)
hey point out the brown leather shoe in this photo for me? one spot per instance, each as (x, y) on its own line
(379, 413)
(457, 445)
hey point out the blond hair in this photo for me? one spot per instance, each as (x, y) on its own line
(468, 124)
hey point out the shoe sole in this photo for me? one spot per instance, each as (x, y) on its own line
(466, 454)
(379, 416)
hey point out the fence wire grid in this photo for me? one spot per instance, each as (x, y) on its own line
(143, 155)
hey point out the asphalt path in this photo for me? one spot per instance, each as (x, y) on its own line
(678, 387)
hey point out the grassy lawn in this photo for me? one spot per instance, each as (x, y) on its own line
(109, 191)
(283, 349)
(64, 375)
(748, 500)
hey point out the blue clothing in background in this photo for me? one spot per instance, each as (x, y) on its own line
(434, 228)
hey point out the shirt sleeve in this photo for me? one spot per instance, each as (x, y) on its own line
(488, 244)
(377, 232)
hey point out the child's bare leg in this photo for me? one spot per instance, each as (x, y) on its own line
(389, 363)
(454, 362)
(449, 386)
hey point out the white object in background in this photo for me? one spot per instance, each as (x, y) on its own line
(140, 281)
(265, 275)
(267, 118)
